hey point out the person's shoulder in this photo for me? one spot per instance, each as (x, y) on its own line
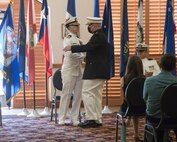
(68, 36)
(154, 62)
(150, 59)
(151, 78)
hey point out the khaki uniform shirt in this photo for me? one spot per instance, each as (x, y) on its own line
(150, 66)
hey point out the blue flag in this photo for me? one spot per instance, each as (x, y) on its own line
(71, 9)
(124, 51)
(21, 41)
(8, 57)
(108, 30)
(169, 31)
(96, 8)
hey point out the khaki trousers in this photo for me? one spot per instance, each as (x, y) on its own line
(92, 98)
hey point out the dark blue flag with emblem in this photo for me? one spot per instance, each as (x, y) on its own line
(124, 51)
(71, 9)
(108, 30)
(169, 31)
(8, 57)
(21, 41)
(96, 8)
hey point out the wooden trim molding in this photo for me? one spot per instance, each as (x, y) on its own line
(56, 66)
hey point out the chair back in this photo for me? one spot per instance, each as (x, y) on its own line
(134, 93)
(168, 101)
(57, 80)
(0, 115)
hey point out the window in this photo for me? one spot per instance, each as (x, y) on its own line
(153, 27)
(39, 60)
(2, 12)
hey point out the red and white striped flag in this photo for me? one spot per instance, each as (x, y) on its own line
(43, 36)
(31, 41)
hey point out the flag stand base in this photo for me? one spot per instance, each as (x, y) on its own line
(34, 113)
(45, 112)
(106, 110)
(24, 112)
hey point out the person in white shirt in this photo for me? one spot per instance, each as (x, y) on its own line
(71, 75)
(150, 66)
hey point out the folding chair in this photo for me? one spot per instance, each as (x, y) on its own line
(0, 115)
(134, 99)
(57, 83)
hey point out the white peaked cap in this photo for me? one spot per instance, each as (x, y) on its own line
(141, 47)
(92, 20)
(72, 20)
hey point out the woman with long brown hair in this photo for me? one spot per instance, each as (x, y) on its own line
(134, 69)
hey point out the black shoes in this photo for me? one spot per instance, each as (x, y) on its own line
(89, 124)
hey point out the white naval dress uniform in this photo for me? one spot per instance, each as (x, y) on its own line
(150, 66)
(72, 81)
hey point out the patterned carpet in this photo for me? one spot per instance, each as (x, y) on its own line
(23, 129)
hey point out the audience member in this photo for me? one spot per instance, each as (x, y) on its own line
(95, 73)
(154, 87)
(134, 69)
(71, 75)
(150, 66)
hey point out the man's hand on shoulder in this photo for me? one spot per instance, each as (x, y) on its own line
(67, 48)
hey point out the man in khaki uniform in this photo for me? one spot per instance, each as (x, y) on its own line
(150, 66)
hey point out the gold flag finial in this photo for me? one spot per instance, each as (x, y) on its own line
(11, 1)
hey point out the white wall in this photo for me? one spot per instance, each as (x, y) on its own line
(57, 15)
(57, 9)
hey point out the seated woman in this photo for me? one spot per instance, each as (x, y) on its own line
(134, 69)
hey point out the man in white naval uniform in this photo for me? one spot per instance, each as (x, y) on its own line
(150, 66)
(71, 75)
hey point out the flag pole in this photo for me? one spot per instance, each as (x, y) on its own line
(106, 109)
(24, 111)
(46, 111)
(34, 113)
(108, 30)
(43, 39)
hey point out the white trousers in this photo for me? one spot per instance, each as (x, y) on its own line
(92, 98)
(72, 85)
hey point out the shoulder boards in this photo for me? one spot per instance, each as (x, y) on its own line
(69, 36)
